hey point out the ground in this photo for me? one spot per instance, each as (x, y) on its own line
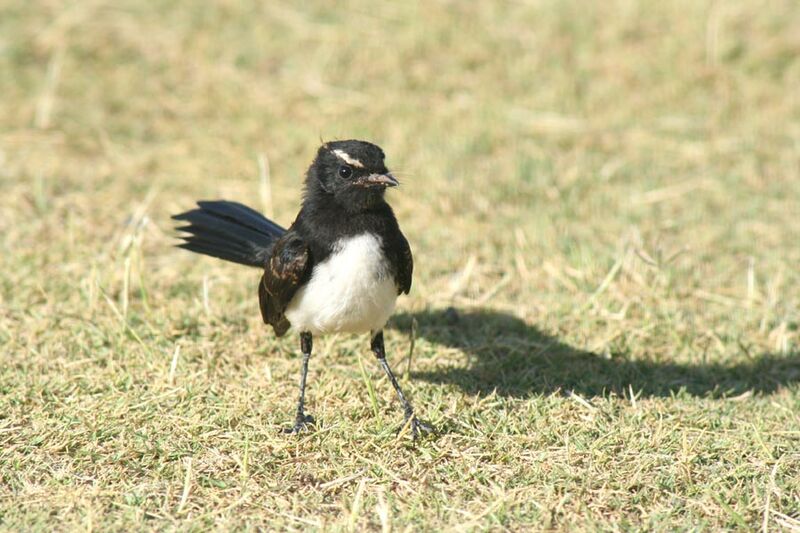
(603, 203)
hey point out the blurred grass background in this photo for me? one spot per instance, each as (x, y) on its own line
(606, 194)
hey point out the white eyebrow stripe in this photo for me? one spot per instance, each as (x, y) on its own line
(344, 156)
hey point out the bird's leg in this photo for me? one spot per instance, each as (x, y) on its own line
(302, 420)
(417, 426)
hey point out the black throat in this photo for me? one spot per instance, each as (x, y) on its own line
(324, 220)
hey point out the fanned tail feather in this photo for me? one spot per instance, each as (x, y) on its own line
(229, 231)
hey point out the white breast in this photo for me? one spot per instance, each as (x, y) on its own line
(352, 291)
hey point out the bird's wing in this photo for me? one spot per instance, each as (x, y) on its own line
(405, 265)
(288, 268)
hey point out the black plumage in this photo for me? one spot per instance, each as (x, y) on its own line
(339, 266)
(229, 231)
(288, 267)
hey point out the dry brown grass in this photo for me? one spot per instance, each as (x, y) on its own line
(608, 196)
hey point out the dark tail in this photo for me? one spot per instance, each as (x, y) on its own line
(230, 231)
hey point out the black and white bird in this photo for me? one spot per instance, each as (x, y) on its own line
(338, 268)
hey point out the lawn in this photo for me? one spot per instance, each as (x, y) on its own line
(603, 200)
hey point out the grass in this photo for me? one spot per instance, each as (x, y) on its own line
(602, 201)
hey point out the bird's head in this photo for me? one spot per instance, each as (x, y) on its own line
(351, 172)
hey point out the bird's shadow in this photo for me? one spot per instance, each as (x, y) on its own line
(515, 359)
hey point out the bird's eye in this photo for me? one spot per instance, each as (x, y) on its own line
(345, 171)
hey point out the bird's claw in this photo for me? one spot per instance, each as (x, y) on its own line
(418, 427)
(301, 423)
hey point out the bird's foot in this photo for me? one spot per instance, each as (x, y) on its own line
(417, 427)
(302, 423)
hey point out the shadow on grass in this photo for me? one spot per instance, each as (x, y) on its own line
(515, 359)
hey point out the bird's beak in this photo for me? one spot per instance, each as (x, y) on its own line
(378, 180)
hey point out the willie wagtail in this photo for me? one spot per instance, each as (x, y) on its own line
(338, 268)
